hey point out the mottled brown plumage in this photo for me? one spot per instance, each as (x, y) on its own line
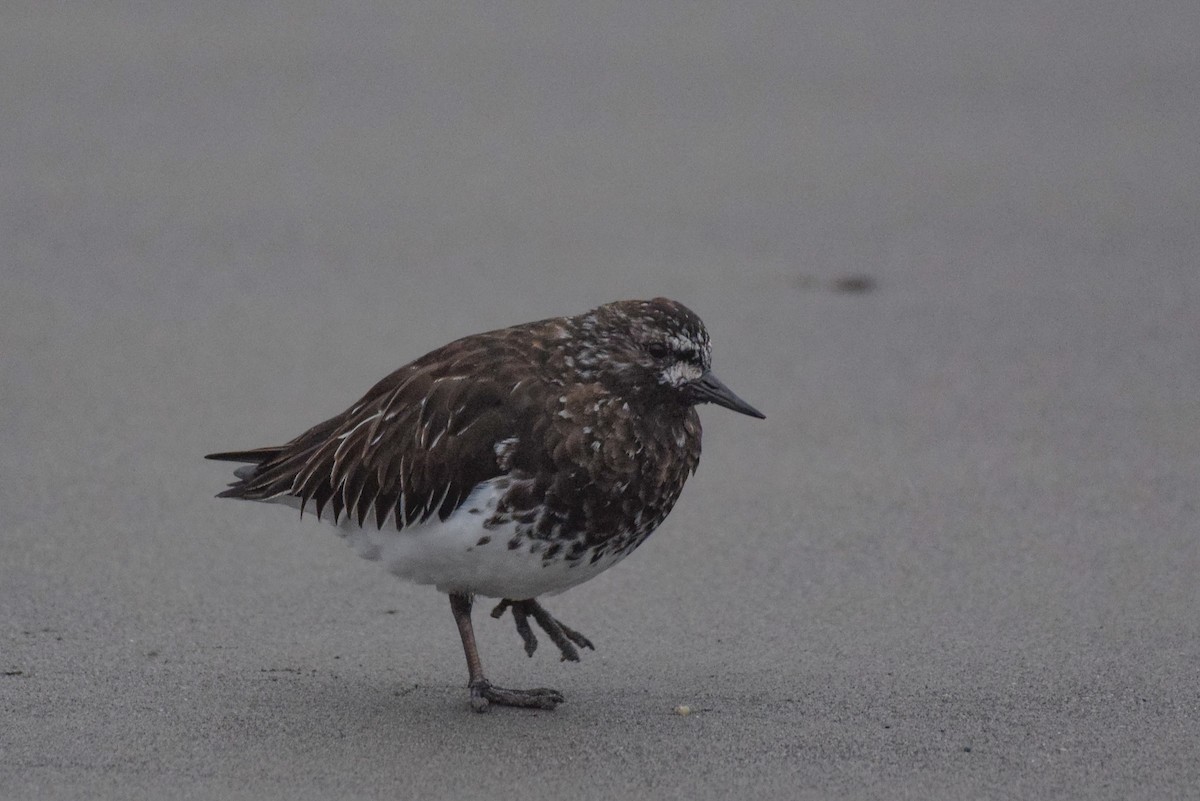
(564, 442)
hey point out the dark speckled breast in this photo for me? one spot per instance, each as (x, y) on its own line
(601, 477)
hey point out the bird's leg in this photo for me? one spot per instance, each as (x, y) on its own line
(562, 634)
(483, 692)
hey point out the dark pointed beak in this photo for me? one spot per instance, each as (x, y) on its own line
(709, 389)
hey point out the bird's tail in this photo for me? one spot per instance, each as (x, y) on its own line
(252, 459)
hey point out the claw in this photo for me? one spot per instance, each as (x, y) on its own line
(521, 618)
(522, 621)
(553, 628)
(574, 636)
(565, 637)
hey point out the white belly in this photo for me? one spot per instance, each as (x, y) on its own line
(449, 555)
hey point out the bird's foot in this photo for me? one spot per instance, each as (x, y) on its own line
(565, 637)
(484, 694)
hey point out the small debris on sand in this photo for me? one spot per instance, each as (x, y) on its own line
(854, 283)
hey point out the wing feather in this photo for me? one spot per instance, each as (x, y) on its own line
(414, 447)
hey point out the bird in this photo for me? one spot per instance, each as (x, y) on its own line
(511, 464)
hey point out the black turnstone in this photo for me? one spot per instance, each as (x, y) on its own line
(511, 464)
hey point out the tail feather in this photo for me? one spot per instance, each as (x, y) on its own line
(253, 459)
(256, 456)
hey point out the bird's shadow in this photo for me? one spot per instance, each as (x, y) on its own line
(301, 712)
(307, 707)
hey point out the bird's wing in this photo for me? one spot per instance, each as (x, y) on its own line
(416, 445)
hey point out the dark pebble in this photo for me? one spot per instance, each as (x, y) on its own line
(854, 284)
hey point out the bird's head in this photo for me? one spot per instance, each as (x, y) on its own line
(657, 346)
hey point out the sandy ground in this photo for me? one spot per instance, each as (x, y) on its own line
(958, 560)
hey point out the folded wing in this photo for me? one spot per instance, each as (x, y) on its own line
(415, 446)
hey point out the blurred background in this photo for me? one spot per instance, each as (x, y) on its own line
(950, 249)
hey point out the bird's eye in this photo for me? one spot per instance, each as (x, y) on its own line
(658, 350)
